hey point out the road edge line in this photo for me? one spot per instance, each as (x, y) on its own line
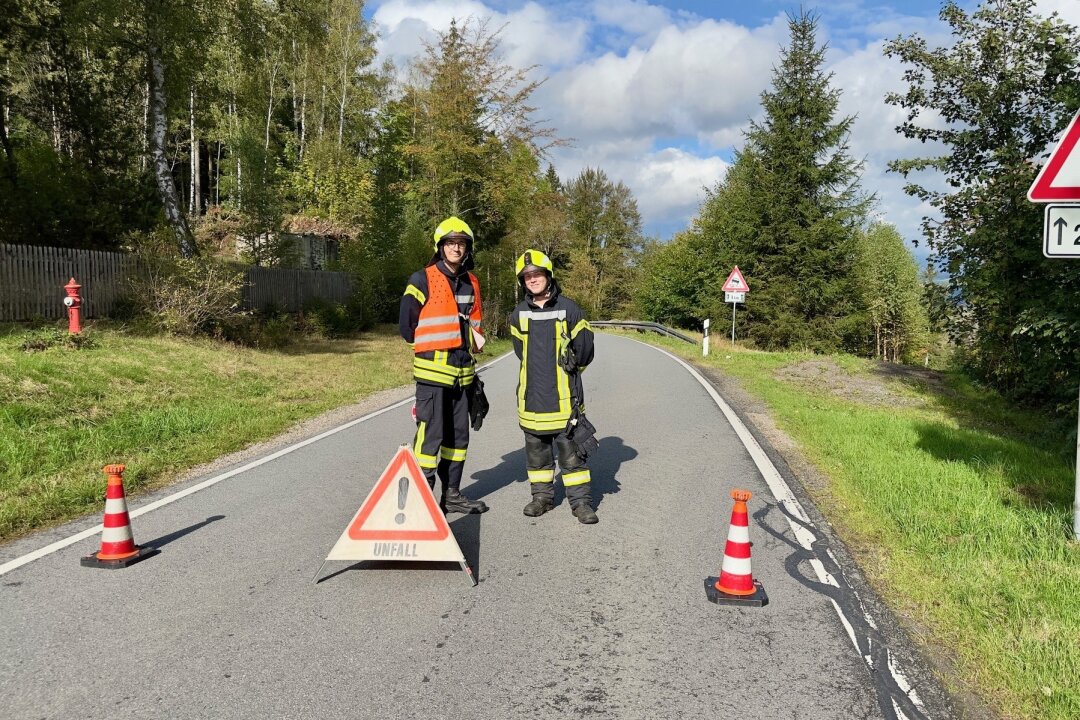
(179, 495)
(783, 495)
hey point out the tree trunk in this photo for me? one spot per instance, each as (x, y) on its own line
(145, 127)
(217, 177)
(303, 117)
(170, 199)
(194, 187)
(270, 107)
(12, 168)
(322, 111)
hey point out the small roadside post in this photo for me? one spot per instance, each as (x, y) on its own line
(735, 289)
(705, 340)
(1058, 184)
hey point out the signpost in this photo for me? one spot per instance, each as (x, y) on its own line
(735, 289)
(705, 340)
(1059, 183)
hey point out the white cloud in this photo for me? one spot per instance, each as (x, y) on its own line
(531, 35)
(636, 18)
(1069, 10)
(696, 81)
(669, 184)
(657, 97)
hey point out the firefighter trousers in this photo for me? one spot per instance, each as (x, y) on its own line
(442, 433)
(540, 451)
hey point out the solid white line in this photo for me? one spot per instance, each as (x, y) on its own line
(71, 540)
(783, 495)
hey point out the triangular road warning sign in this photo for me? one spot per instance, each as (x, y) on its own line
(736, 282)
(1059, 178)
(400, 520)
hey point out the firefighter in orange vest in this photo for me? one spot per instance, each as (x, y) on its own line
(440, 318)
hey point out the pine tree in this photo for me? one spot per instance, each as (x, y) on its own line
(808, 205)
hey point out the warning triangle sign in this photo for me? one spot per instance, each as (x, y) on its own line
(736, 282)
(400, 520)
(1059, 178)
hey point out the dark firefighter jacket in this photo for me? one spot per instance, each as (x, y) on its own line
(539, 334)
(439, 367)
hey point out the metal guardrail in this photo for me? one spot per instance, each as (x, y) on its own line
(643, 326)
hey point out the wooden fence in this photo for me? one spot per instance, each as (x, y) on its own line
(32, 283)
(287, 289)
(32, 280)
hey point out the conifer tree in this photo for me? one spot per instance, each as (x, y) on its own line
(807, 205)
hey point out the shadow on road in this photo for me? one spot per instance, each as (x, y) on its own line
(510, 470)
(604, 465)
(164, 540)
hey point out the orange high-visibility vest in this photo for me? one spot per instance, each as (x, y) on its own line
(439, 327)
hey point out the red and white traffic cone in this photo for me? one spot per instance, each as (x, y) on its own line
(118, 548)
(736, 584)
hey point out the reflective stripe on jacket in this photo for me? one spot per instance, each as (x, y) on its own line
(440, 326)
(538, 335)
(453, 365)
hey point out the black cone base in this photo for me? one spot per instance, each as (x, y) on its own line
(92, 560)
(758, 599)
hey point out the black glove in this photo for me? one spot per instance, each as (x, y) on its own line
(568, 360)
(582, 435)
(478, 403)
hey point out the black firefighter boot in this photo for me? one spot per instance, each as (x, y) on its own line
(580, 499)
(542, 496)
(454, 502)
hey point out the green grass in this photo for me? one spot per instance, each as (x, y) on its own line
(160, 405)
(958, 505)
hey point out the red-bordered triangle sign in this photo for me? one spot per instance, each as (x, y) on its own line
(1059, 178)
(399, 520)
(736, 282)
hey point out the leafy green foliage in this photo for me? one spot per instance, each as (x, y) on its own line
(605, 238)
(888, 281)
(993, 101)
(188, 296)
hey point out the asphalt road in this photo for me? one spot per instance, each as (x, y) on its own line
(567, 620)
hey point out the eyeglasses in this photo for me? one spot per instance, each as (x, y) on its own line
(533, 274)
(460, 244)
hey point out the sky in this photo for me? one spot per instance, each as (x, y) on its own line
(658, 93)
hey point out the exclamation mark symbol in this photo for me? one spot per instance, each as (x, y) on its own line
(402, 495)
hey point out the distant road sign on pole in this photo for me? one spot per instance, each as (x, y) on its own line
(736, 282)
(735, 289)
(1059, 178)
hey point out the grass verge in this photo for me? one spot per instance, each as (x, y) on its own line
(160, 405)
(958, 505)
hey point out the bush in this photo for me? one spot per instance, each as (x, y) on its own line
(36, 341)
(188, 296)
(326, 319)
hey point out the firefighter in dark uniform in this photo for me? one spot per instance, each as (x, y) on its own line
(547, 328)
(440, 312)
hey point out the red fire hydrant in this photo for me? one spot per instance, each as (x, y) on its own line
(73, 302)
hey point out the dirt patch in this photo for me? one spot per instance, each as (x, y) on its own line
(828, 376)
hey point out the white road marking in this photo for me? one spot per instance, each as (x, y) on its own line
(89, 532)
(783, 495)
